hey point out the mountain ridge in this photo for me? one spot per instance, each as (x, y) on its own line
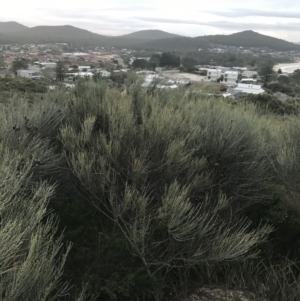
(151, 34)
(11, 26)
(147, 39)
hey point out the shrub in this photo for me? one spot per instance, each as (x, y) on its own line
(166, 173)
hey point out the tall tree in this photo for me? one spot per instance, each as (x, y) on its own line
(140, 63)
(2, 63)
(60, 71)
(189, 64)
(18, 64)
(154, 60)
(266, 71)
(169, 59)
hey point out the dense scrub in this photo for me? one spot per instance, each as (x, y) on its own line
(11, 84)
(271, 104)
(157, 193)
(288, 85)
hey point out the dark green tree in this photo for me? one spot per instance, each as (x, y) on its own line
(154, 60)
(169, 59)
(266, 71)
(189, 64)
(2, 63)
(18, 64)
(60, 71)
(140, 63)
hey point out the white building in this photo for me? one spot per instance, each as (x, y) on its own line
(48, 65)
(81, 68)
(214, 74)
(79, 74)
(249, 73)
(74, 54)
(241, 69)
(33, 74)
(150, 79)
(248, 81)
(105, 73)
(231, 77)
(250, 89)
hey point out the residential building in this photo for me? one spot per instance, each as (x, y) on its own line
(105, 73)
(231, 77)
(240, 69)
(33, 74)
(249, 81)
(214, 74)
(47, 65)
(87, 68)
(249, 88)
(79, 74)
(248, 73)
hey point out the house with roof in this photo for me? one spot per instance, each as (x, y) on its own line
(71, 76)
(46, 65)
(249, 73)
(33, 74)
(231, 77)
(249, 88)
(84, 68)
(248, 81)
(242, 90)
(214, 74)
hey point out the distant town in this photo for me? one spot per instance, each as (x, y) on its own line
(202, 70)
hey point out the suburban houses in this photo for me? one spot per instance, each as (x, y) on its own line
(87, 62)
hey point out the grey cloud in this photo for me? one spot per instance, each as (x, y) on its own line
(128, 8)
(170, 21)
(254, 26)
(229, 25)
(260, 13)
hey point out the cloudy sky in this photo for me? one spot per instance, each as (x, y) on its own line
(278, 18)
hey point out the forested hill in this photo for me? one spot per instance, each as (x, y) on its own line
(52, 34)
(12, 32)
(249, 38)
(151, 35)
(245, 39)
(9, 27)
(64, 34)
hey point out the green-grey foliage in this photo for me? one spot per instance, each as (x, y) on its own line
(31, 256)
(32, 253)
(157, 191)
(19, 63)
(173, 175)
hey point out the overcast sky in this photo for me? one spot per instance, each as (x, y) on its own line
(278, 18)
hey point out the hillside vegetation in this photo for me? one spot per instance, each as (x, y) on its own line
(9, 27)
(156, 193)
(150, 35)
(247, 39)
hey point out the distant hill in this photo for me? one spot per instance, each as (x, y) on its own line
(9, 27)
(54, 34)
(248, 39)
(151, 35)
(13, 32)
(65, 34)
(245, 39)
